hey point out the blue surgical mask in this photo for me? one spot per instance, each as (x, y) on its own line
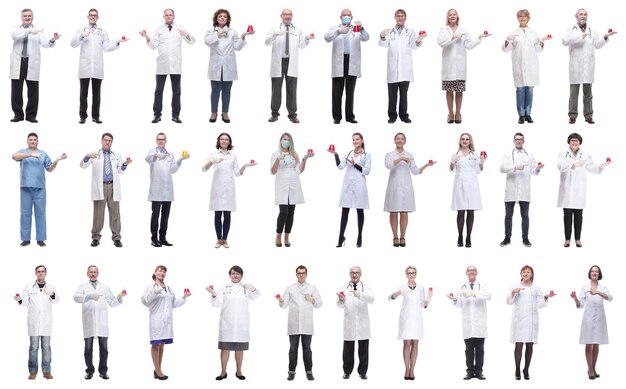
(285, 144)
(346, 20)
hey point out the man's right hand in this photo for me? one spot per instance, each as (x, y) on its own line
(343, 29)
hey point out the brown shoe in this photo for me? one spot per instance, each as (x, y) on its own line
(589, 120)
(572, 120)
(272, 119)
(294, 119)
(47, 375)
(32, 376)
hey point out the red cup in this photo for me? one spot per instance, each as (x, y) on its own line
(430, 289)
(551, 293)
(610, 30)
(452, 294)
(144, 31)
(608, 159)
(331, 147)
(485, 32)
(549, 36)
(311, 35)
(310, 151)
(252, 162)
(186, 290)
(250, 28)
(430, 161)
(56, 34)
(123, 37)
(539, 164)
(574, 293)
(483, 153)
(422, 33)
(341, 293)
(128, 159)
(17, 295)
(356, 28)
(124, 292)
(277, 295)
(211, 287)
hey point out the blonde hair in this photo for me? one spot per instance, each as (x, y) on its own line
(458, 19)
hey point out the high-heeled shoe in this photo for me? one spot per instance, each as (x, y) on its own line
(596, 375)
(221, 377)
(518, 375)
(459, 241)
(279, 243)
(213, 117)
(396, 242)
(342, 241)
(402, 242)
(358, 241)
(591, 376)
(526, 375)
(225, 119)
(566, 243)
(450, 118)
(287, 243)
(160, 378)
(468, 242)
(579, 243)
(458, 121)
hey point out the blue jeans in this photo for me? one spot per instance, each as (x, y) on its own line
(32, 198)
(508, 218)
(222, 87)
(524, 97)
(33, 351)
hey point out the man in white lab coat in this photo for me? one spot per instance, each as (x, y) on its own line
(168, 39)
(518, 165)
(93, 41)
(94, 297)
(354, 299)
(162, 165)
(472, 298)
(106, 188)
(38, 298)
(346, 62)
(25, 63)
(286, 41)
(582, 42)
(301, 298)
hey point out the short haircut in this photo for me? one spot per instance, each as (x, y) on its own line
(302, 267)
(599, 272)
(518, 134)
(33, 134)
(575, 135)
(44, 268)
(230, 141)
(523, 12)
(107, 134)
(93, 10)
(400, 11)
(217, 13)
(31, 11)
(236, 269)
(532, 271)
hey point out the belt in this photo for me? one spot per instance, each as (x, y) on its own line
(107, 182)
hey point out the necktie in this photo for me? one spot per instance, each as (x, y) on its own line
(354, 286)
(25, 47)
(472, 286)
(107, 163)
(287, 41)
(169, 27)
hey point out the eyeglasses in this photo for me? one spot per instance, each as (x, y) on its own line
(92, 16)
(161, 139)
(519, 139)
(301, 274)
(355, 272)
(411, 273)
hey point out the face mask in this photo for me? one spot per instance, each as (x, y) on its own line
(285, 144)
(346, 20)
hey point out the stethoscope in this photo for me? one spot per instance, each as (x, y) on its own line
(579, 154)
(165, 287)
(167, 153)
(360, 157)
(112, 155)
(288, 29)
(513, 155)
(470, 155)
(351, 288)
(467, 287)
(95, 30)
(394, 32)
(36, 287)
(228, 289)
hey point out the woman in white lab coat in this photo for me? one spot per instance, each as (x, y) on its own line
(524, 44)
(465, 190)
(411, 323)
(526, 299)
(161, 301)
(454, 42)
(400, 198)
(574, 163)
(223, 199)
(593, 330)
(234, 332)
(223, 42)
(354, 189)
(287, 167)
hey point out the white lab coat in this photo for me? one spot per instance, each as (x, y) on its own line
(525, 316)
(97, 174)
(473, 309)
(354, 188)
(454, 53)
(399, 46)
(356, 317)
(95, 313)
(235, 316)
(169, 43)
(222, 61)
(161, 307)
(465, 190)
(517, 187)
(300, 316)
(573, 184)
(19, 34)
(91, 62)
(400, 196)
(355, 38)
(411, 322)
(524, 58)
(287, 187)
(161, 170)
(582, 53)
(223, 185)
(39, 304)
(297, 41)
(593, 329)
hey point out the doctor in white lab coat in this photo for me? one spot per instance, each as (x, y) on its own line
(93, 41)
(472, 299)
(354, 298)
(234, 330)
(345, 62)
(518, 165)
(301, 298)
(38, 298)
(168, 39)
(161, 301)
(582, 42)
(25, 63)
(286, 41)
(400, 41)
(95, 298)
(574, 163)
(106, 165)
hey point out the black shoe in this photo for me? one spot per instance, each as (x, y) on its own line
(402, 242)
(160, 378)
(480, 376)
(88, 376)
(156, 119)
(346, 376)
(164, 242)
(526, 375)
(104, 376)
(81, 121)
(468, 242)
(527, 243)
(468, 376)
(352, 121)
(272, 119)
(579, 244)
(117, 243)
(521, 119)
(566, 243)
(363, 376)
(309, 376)
(95, 243)
(342, 241)
(358, 241)
(32, 120)
(396, 242)
(25, 243)
(155, 243)
(225, 120)
(294, 119)
(406, 378)
(96, 120)
(221, 377)
(529, 119)
(505, 242)
(597, 375)
(176, 119)
(518, 375)
(291, 375)
(337, 121)
(391, 120)
(407, 120)
(41, 243)
(459, 241)
(16, 119)
(213, 119)
(412, 378)
(241, 377)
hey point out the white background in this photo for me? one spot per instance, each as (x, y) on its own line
(488, 113)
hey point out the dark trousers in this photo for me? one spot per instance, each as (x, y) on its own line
(574, 90)
(162, 207)
(348, 356)
(339, 83)
(392, 90)
(577, 215)
(307, 354)
(96, 85)
(285, 218)
(474, 355)
(157, 107)
(509, 207)
(17, 98)
(222, 227)
(104, 354)
(277, 90)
